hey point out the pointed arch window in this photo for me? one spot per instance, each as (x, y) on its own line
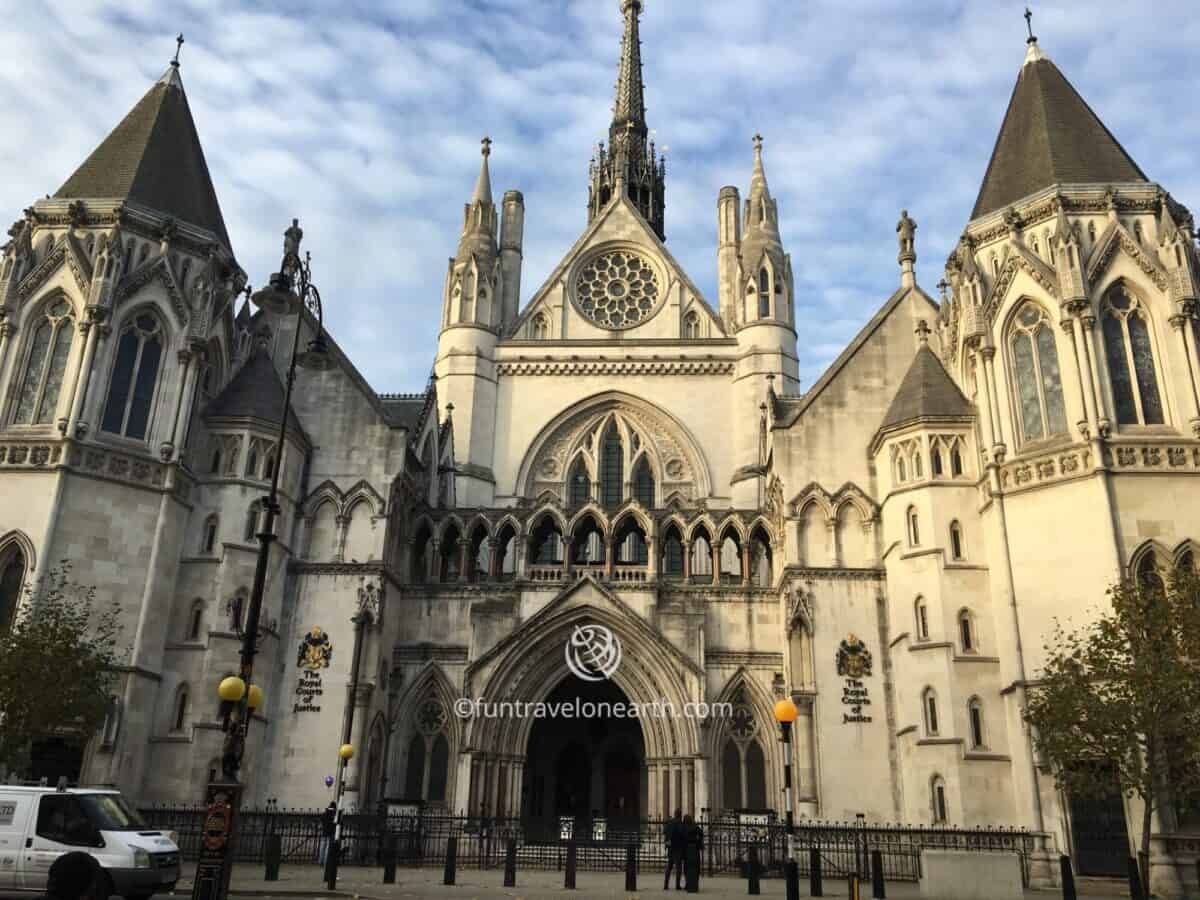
(180, 713)
(930, 709)
(956, 541)
(253, 519)
(1042, 412)
(195, 621)
(966, 631)
(702, 556)
(672, 562)
(643, 483)
(956, 459)
(12, 577)
(134, 378)
(691, 326)
(764, 294)
(46, 366)
(506, 553)
(921, 612)
(428, 768)
(937, 796)
(1130, 356)
(612, 467)
(209, 542)
(579, 491)
(914, 527)
(935, 460)
(975, 718)
(539, 328)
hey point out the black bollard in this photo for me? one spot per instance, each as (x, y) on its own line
(274, 852)
(510, 863)
(878, 890)
(752, 872)
(814, 873)
(791, 879)
(569, 878)
(1068, 878)
(389, 858)
(630, 868)
(331, 863)
(451, 860)
(1135, 881)
(852, 887)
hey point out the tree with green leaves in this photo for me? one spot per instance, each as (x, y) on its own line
(57, 665)
(1123, 692)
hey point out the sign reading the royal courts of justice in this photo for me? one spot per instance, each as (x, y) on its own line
(314, 654)
(854, 664)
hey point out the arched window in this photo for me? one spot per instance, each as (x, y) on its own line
(756, 780)
(1186, 561)
(914, 527)
(643, 483)
(975, 717)
(930, 710)
(764, 294)
(691, 326)
(587, 543)
(195, 620)
(1130, 356)
(269, 465)
(506, 552)
(134, 378)
(612, 468)
(414, 778)
(451, 547)
(237, 609)
(539, 328)
(579, 490)
(956, 460)
(12, 577)
(428, 768)
(918, 467)
(630, 543)
(181, 709)
(1091, 232)
(731, 775)
(672, 561)
(760, 558)
(111, 729)
(479, 563)
(252, 461)
(419, 559)
(921, 612)
(1042, 413)
(936, 460)
(937, 796)
(208, 541)
(966, 631)
(253, 518)
(731, 558)
(439, 764)
(215, 464)
(956, 541)
(546, 544)
(901, 469)
(1148, 575)
(702, 557)
(46, 366)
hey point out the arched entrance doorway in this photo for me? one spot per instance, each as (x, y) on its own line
(586, 765)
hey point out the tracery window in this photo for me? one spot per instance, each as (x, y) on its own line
(1042, 412)
(134, 378)
(580, 489)
(539, 328)
(12, 577)
(643, 483)
(46, 366)
(743, 764)
(428, 766)
(612, 465)
(691, 326)
(1130, 356)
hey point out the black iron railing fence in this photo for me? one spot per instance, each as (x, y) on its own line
(421, 840)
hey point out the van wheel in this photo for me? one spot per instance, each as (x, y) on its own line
(104, 886)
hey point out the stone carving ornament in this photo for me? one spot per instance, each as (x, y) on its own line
(617, 289)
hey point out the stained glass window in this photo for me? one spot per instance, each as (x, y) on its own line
(131, 391)
(1130, 355)
(580, 491)
(46, 367)
(643, 484)
(1042, 412)
(612, 463)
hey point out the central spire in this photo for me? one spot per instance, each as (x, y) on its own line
(630, 165)
(630, 106)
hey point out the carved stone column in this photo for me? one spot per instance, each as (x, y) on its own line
(568, 554)
(1104, 420)
(687, 561)
(989, 371)
(89, 328)
(464, 549)
(7, 329)
(745, 563)
(1083, 375)
(1183, 324)
(343, 523)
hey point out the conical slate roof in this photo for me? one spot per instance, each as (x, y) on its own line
(254, 392)
(926, 391)
(1049, 136)
(153, 157)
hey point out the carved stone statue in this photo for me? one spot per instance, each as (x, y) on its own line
(292, 238)
(906, 228)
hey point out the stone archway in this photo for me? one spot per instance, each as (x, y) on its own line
(528, 666)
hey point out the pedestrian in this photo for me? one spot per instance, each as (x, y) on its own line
(73, 876)
(693, 850)
(328, 829)
(675, 836)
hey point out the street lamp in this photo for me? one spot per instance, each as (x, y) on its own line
(785, 715)
(290, 291)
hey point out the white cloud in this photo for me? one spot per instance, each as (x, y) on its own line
(365, 124)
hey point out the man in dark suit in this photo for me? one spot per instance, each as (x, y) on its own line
(675, 836)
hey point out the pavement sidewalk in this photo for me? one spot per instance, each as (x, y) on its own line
(367, 883)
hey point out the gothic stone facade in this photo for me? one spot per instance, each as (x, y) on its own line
(614, 449)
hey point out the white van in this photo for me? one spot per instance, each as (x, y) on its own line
(40, 824)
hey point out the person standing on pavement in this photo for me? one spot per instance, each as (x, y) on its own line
(693, 852)
(675, 836)
(328, 829)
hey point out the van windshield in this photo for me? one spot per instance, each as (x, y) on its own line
(108, 812)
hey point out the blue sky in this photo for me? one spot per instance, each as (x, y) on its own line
(364, 119)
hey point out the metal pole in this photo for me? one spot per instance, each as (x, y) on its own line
(359, 620)
(791, 867)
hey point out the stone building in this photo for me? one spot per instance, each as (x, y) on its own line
(888, 546)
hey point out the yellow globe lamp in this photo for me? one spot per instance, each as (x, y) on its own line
(231, 689)
(346, 751)
(785, 711)
(255, 698)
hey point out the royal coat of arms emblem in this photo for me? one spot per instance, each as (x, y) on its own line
(853, 658)
(316, 651)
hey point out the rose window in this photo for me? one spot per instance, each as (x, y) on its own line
(618, 289)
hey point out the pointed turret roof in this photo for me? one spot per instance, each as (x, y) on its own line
(1049, 136)
(153, 158)
(630, 105)
(255, 392)
(926, 391)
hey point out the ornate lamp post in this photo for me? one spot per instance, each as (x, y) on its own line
(289, 292)
(785, 715)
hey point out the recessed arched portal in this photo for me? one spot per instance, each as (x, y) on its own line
(587, 764)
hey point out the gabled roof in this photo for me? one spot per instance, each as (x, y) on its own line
(255, 392)
(153, 158)
(1049, 136)
(927, 391)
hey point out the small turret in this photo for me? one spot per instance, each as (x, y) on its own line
(473, 279)
(766, 269)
